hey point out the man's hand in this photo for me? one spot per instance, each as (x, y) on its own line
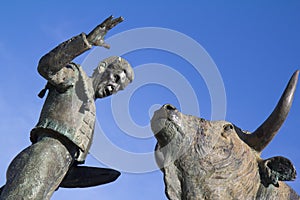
(96, 36)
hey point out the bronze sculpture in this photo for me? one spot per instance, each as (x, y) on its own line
(64, 132)
(204, 159)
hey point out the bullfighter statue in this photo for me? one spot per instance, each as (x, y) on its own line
(63, 135)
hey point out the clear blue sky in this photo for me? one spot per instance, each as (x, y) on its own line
(255, 47)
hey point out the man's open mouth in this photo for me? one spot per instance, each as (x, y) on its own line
(108, 90)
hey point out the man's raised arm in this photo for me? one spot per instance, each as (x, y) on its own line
(64, 53)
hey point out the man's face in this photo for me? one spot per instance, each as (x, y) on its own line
(112, 81)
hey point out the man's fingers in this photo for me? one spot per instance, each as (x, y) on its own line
(113, 22)
(106, 21)
(105, 45)
(102, 44)
(110, 22)
(96, 36)
(116, 21)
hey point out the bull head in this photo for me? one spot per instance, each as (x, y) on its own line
(213, 159)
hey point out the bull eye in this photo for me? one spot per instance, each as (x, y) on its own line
(228, 127)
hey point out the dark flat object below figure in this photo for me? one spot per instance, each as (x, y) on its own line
(83, 176)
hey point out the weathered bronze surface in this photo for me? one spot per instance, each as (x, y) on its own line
(204, 159)
(64, 132)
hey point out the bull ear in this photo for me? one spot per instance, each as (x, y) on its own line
(276, 169)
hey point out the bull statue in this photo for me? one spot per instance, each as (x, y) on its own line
(204, 159)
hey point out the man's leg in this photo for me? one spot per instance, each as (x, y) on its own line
(37, 171)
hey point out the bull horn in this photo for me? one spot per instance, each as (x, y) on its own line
(263, 135)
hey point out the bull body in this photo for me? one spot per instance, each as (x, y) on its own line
(204, 159)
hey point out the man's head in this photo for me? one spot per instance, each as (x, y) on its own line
(112, 75)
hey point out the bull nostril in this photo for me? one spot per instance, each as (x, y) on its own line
(169, 107)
